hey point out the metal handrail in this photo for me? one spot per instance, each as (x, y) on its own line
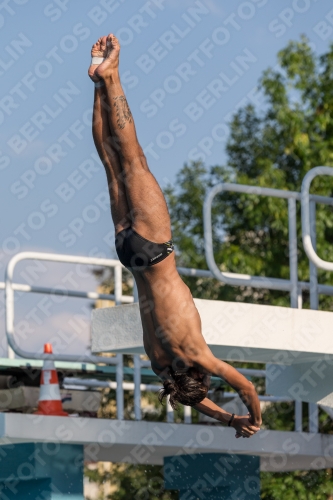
(103, 384)
(22, 287)
(291, 285)
(9, 299)
(71, 382)
(130, 386)
(306, 225)
(235, 278)
(205, 273)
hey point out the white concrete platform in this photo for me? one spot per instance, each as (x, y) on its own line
(149, 442)
(310, 382)
(234, 331)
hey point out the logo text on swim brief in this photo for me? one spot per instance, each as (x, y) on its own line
(154, 258)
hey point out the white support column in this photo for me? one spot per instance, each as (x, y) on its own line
(300, 298)
(293, 253)
(313, 269)
(120, 390)
(314, 302)
(170, 413)
(10, 353)
(187, 414)
(137, 390)
(118, 285)
(137, 370)
(118, 291)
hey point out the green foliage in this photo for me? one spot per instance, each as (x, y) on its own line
(134, 482)
(308, 485)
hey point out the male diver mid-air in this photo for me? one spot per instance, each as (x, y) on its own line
(171, 323)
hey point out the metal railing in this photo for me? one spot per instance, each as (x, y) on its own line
(307, 218)
(69, 382)
(293, 286)
(11, 287)
(138, 387)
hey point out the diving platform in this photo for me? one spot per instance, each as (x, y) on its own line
(234, 331)
(150, 442)
(295, 344)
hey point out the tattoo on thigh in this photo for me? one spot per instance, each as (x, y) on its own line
(123, 111)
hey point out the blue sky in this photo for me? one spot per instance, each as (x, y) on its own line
(175, 54)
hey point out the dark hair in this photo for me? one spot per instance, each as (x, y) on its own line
(183, 389)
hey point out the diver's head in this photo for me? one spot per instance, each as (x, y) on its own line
(188, 387)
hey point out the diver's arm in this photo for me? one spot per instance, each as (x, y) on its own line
(242, 424)
(210, 409)
(243, 386)
(236, 380)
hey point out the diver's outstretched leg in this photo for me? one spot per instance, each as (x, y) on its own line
(149, 212)
(103, 141)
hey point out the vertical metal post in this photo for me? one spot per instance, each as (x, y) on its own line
(293, 252)
(137, 383)
(120, 390)
(118, 285)
(187, 414)
(135, 292)
(170, 414)
(118, 291)
(300, 298)
(313, 417)
(313, 270)
(9, 308)
(10, 353)
(137, 370)
(298, 416)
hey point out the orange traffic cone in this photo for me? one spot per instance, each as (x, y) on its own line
(49, 399)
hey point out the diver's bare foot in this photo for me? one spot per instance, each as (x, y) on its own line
(110, 65)
(98, 50)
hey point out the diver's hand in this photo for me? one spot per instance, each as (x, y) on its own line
(244, 427)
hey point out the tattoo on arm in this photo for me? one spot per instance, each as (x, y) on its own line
(123, 111)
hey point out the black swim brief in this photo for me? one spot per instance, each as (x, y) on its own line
(137, 253)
